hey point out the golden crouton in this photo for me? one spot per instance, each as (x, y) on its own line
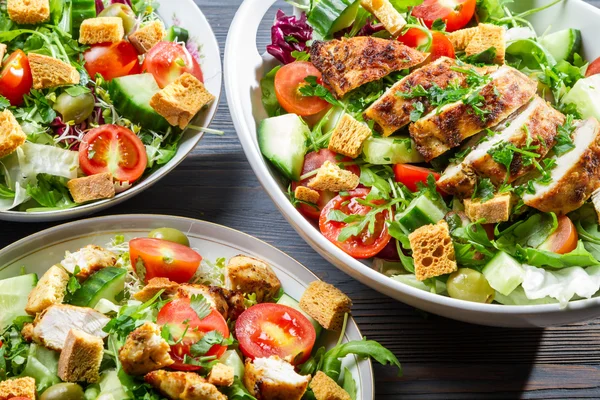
(80, 357)
(28, 332)
(487, 36)
(349, 136)
(20, 387)
(101, 30)
(460, 39)
(145, 350)
(326, 388)
(93, 187)
(274, 379)
(147, 36)
(2, 51)
(221, 375)
(385, 12)
(333, 178)
(183, 386)
(251, 275)
(180, 100)
(306, 194)
(493, 211)
(326, 304)
(50, 72)
(88, 259)
(28, 12)
(154, 286)
(433, 251)
(49, 290)
(11, 134)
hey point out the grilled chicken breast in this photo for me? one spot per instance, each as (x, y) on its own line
(443, 129)
(183, 386)
(576, 174)
(349, 63)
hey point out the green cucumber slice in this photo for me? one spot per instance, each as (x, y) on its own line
(13, 297)
(420, 212)
(330, 16)
(288, 301)
(503, 273)
(80, 11)
(108, 283)
(390, 150)
(563, 44)
(585, 95)
(232, 358)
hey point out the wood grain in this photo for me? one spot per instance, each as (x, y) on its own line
(442, 359)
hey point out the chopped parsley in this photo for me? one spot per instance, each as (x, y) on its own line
(313, 89)
(484, 190)
(417, 112)
(564, 143)
(200, 306)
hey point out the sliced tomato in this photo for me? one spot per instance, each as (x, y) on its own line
(564, 239)
(269, 329)
(410, 175)
(167, 61)
(365, 244)
(114, 149)
(163, 259)
(455, 13)
(112, 60)
(288, 81)
(15, 78)
(173, 315)
(593, 68)
(441, 46)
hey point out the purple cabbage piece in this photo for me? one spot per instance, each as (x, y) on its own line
(99, 6)
(288, 34)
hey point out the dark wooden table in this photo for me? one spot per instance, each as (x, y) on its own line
(442, 359)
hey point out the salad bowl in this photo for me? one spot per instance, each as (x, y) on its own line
(245, 66)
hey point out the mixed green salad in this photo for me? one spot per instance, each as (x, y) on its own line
(446, 140)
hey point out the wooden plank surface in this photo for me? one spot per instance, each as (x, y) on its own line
(442, 359)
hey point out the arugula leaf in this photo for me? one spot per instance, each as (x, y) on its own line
(4, 103)
(200, 306)
(488, 9)
(301, 55)
(486, 57)
(564, 143)
(269, 98)
(530, 232)
(51, 192)
(349, 384)
(314, 89)
(484, 190)
(237, 391)
(580, 257)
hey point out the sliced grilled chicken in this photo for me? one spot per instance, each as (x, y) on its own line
(576, 174)
(443, 129)
(349, 63)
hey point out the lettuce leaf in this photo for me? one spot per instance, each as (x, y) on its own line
(580, 257)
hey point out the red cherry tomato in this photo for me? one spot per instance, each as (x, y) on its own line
(441, 46)
(164, 259)
(593, 68)
(173, 314)
(114, 149)
(364, 245)
(269, 329)
(410, 175)
(564, 239)
(15, 78)
(455, 13)
(288, 81)
(167, 61)
(112, 60)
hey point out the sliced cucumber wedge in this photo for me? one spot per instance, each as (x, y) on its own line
(232, 358)
(586, 96)
(108, 283)
(563, 44)
(177, 33)
(503, 273)
(13, 297)
(420, 212)
(80, 11)
(288, 301)
(389, 150)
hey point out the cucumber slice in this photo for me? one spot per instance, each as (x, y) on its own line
(288, 301)
(111, 387)
(108, 283)
(330, 16)
(232, 358)
(503, 273)
(421, 211)
(80, 11)
(131, 96)
(13, 297)
(282, 140)
(586, 96)
(177, 33)
(389, 150)
(563, 44)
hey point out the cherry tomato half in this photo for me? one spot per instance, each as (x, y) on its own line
(365, 244)
(288, 81)
(564, 239)
(167, 61)
(593, 68)
(441, 46)
(455, 13)
(164, 259)
(410, 175)
(112, 60)
(269, 329)
(15, 79)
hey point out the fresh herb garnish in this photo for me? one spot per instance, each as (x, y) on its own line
(209, 339)
(564, 143)
(484, 190)
(314, 89)
(200, 305)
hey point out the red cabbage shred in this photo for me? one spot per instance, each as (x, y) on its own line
(288, 34)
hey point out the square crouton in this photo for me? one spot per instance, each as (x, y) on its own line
(487, 36)
(460, 39)
(306, 194)
(333, 178)
(433, 251)
(180, 100)
(11, 134)
(49, 72)
(493, 211)
(154, 286)
(2, 51)
(251, 275)
(349, 136)
(93, 187)
(221, 375)
(50, 290)
(326, 388)
(80, 357)
(147, 36)
(326, 304)
(385, 12)
(20, 387)
(28, 12)
(101, 30)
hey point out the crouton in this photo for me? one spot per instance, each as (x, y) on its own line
(88, 260)
(147, 36)
(11, 134)
(50, 289)
(145, 350)
(180, 100)
(349, 136)
(20, 387)
(273, 379)
(433, 251)
(183, 386)
(27, 332)
(333, 178)
(101, 30)
(221, 375)
(385, 12)
(325, 388)
(2, 51)
(28, 12)
(488, 36)
(93, 187)
(213, 294)
(493, 211)
(460, 39)
(80, 357)
(154, 286)
(50, 72)
(306, 194)
(326, 304)
(251, 275)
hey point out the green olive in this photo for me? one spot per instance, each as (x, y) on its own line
(74, 108)
(170, 234)
(63, 391)
(468, 284)
(124, 12)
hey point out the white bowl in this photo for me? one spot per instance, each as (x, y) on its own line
(244, 67)
(173, 12)
(40, 251)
